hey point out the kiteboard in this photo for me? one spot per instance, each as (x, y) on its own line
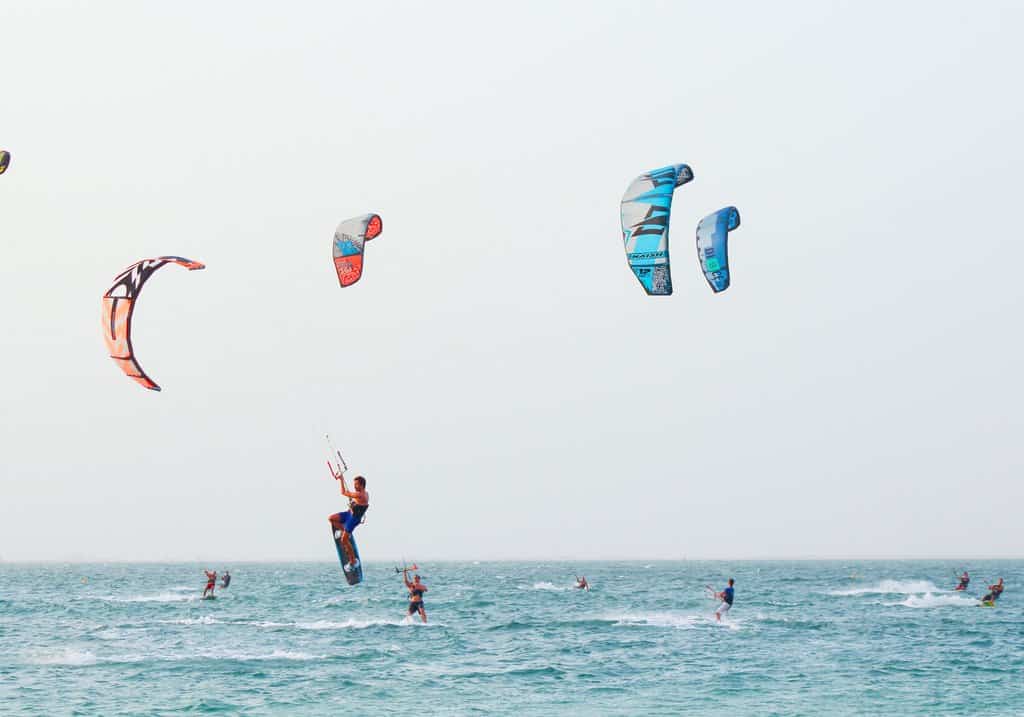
(348, 555)
(987, 603)
(208, 597)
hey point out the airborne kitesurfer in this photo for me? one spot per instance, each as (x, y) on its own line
(359, 500)
(211, 582)
(726, 597)
(416, 590)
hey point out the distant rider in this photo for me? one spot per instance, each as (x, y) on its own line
(225, 579)
(965, 580)
(726, 597)
(359, 500)
(211, 582)
(416, 590)
(581, 583)
(994, 591)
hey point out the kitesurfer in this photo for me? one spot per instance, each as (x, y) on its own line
(359, 500)
(581, 583)
(965, 580)
(416, 590)
(726, 597)
(225, 579)
(211, 582)
(994, 591)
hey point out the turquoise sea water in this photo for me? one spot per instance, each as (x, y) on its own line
(511, 638)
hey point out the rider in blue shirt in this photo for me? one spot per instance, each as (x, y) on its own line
(726, 597)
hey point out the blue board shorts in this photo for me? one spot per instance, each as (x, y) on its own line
(349, 520)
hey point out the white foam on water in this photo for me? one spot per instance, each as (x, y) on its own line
(657, 619)
(728, 623)
(204, 620)
(350, 624)
(345, 624)
(64, 656)
(929, 600)
(265, 623)
(159, 597)
(278, 655)
(892, 587)
(545, 585)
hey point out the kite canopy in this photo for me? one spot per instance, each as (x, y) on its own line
(349, 239)
(713, 246)
(118, 306)
(5, 160)
(646, 207)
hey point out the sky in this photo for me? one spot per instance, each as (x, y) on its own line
(498, 374)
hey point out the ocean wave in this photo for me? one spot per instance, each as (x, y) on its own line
(892, 587)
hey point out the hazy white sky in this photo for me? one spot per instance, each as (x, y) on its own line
(498, 374)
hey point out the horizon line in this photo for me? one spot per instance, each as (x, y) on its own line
(388, 561)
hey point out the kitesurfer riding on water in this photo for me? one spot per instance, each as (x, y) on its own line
(359, 500)
(225, 579)
(211, 582)
(994, 591)
(581, 583)
(726, 597)
(965, 580)
(416, 590)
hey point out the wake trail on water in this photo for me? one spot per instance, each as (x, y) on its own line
(668, 619)
(351, 624)
(929, 600)
(84, 658)
(892, 587)
(66, 656)
(544, 585)
(167, 596)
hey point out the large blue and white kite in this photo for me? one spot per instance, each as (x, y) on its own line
(646, 208)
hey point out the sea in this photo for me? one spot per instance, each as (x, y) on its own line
(503, 638)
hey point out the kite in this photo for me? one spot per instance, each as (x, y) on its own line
(118, 306)
(646, 207)
(5, 160)
(713, 247)
(349, 239)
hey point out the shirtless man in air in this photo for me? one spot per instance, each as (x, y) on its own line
(359, 500)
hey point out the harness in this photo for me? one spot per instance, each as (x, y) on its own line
(359, 511)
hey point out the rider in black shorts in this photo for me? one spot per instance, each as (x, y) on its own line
(416, 590)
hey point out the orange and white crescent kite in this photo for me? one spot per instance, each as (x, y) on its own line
(118, 306)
